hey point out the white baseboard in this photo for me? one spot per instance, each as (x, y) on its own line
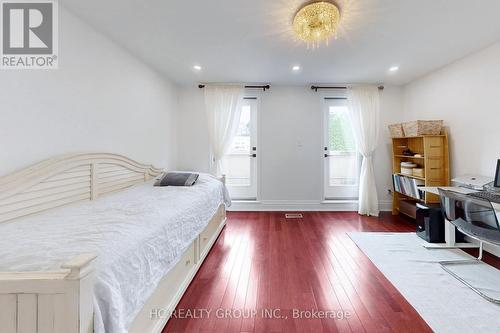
(302, 205)
(385, 205)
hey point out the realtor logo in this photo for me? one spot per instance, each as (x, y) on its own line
(29, 34)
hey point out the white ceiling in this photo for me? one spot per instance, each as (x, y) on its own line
(251, 41)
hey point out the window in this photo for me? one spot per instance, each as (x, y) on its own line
(240, 162)
(342, 160)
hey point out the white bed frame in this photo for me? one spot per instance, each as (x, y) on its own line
(62, 300)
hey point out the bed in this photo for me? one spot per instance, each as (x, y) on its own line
(90, 245)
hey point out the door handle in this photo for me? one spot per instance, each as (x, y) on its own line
(252, 155)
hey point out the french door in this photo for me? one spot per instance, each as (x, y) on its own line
(341, 159)
(240, 162)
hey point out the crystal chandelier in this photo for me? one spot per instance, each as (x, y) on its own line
(316, 22)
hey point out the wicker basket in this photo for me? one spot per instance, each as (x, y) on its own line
(423, 127)
(396, 130)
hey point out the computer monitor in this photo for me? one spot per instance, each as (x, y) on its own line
(497, 175)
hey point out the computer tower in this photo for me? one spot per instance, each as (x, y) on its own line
(430, 223)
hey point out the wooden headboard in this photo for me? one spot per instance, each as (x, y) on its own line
(67, 179)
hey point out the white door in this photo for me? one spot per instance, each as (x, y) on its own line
(341, 160)
(240, 163)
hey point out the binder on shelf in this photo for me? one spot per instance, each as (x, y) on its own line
(408, 186)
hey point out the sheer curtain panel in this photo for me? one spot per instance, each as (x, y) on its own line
(364, 111)
(223, 109)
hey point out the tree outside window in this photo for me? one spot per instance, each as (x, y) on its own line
(340, 132)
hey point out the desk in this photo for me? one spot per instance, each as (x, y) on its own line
(449, 229)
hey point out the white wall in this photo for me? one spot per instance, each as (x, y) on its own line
(289, 117)
(465, 95)
(100, 99)
(193, 151)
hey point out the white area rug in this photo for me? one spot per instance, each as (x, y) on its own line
(445, 303)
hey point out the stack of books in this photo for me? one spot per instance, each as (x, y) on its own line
(409, 186)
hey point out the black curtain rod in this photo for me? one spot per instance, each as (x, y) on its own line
(315, 88)
(264, 87)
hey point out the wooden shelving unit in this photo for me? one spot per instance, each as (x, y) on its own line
(434, 161)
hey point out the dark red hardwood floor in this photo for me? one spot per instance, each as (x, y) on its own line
(264, 261)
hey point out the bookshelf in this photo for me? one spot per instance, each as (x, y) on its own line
(434, 161)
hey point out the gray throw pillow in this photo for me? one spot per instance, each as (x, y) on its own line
(177, 179)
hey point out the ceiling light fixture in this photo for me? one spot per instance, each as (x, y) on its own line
(197, 67)
(394, 69)
(316, 22)
(296, 68)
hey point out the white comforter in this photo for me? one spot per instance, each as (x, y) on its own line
(138, 235)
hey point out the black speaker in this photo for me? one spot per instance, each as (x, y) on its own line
(430, 223)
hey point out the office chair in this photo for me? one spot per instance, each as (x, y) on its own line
(475, 218)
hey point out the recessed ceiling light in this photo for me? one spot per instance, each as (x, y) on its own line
(197, 67)
(394, 69)
(296, 68)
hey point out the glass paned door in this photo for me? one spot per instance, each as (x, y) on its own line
(240, 163)
(341, 159)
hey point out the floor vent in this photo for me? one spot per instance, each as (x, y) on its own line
(293, 216)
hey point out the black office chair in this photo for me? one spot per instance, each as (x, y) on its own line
(475, 218)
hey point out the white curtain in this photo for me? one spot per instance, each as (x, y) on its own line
(223, 108)
(364, 111)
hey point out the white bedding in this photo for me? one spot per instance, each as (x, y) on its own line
(138, 235)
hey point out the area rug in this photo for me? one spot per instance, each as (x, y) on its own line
(445, 303)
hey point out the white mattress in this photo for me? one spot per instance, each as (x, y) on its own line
(138, 235)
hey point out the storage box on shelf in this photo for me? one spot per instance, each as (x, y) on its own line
(422, 127)
(418, 172)
(396, 130)
(416, 128)
(431, 156)
(407, 168)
